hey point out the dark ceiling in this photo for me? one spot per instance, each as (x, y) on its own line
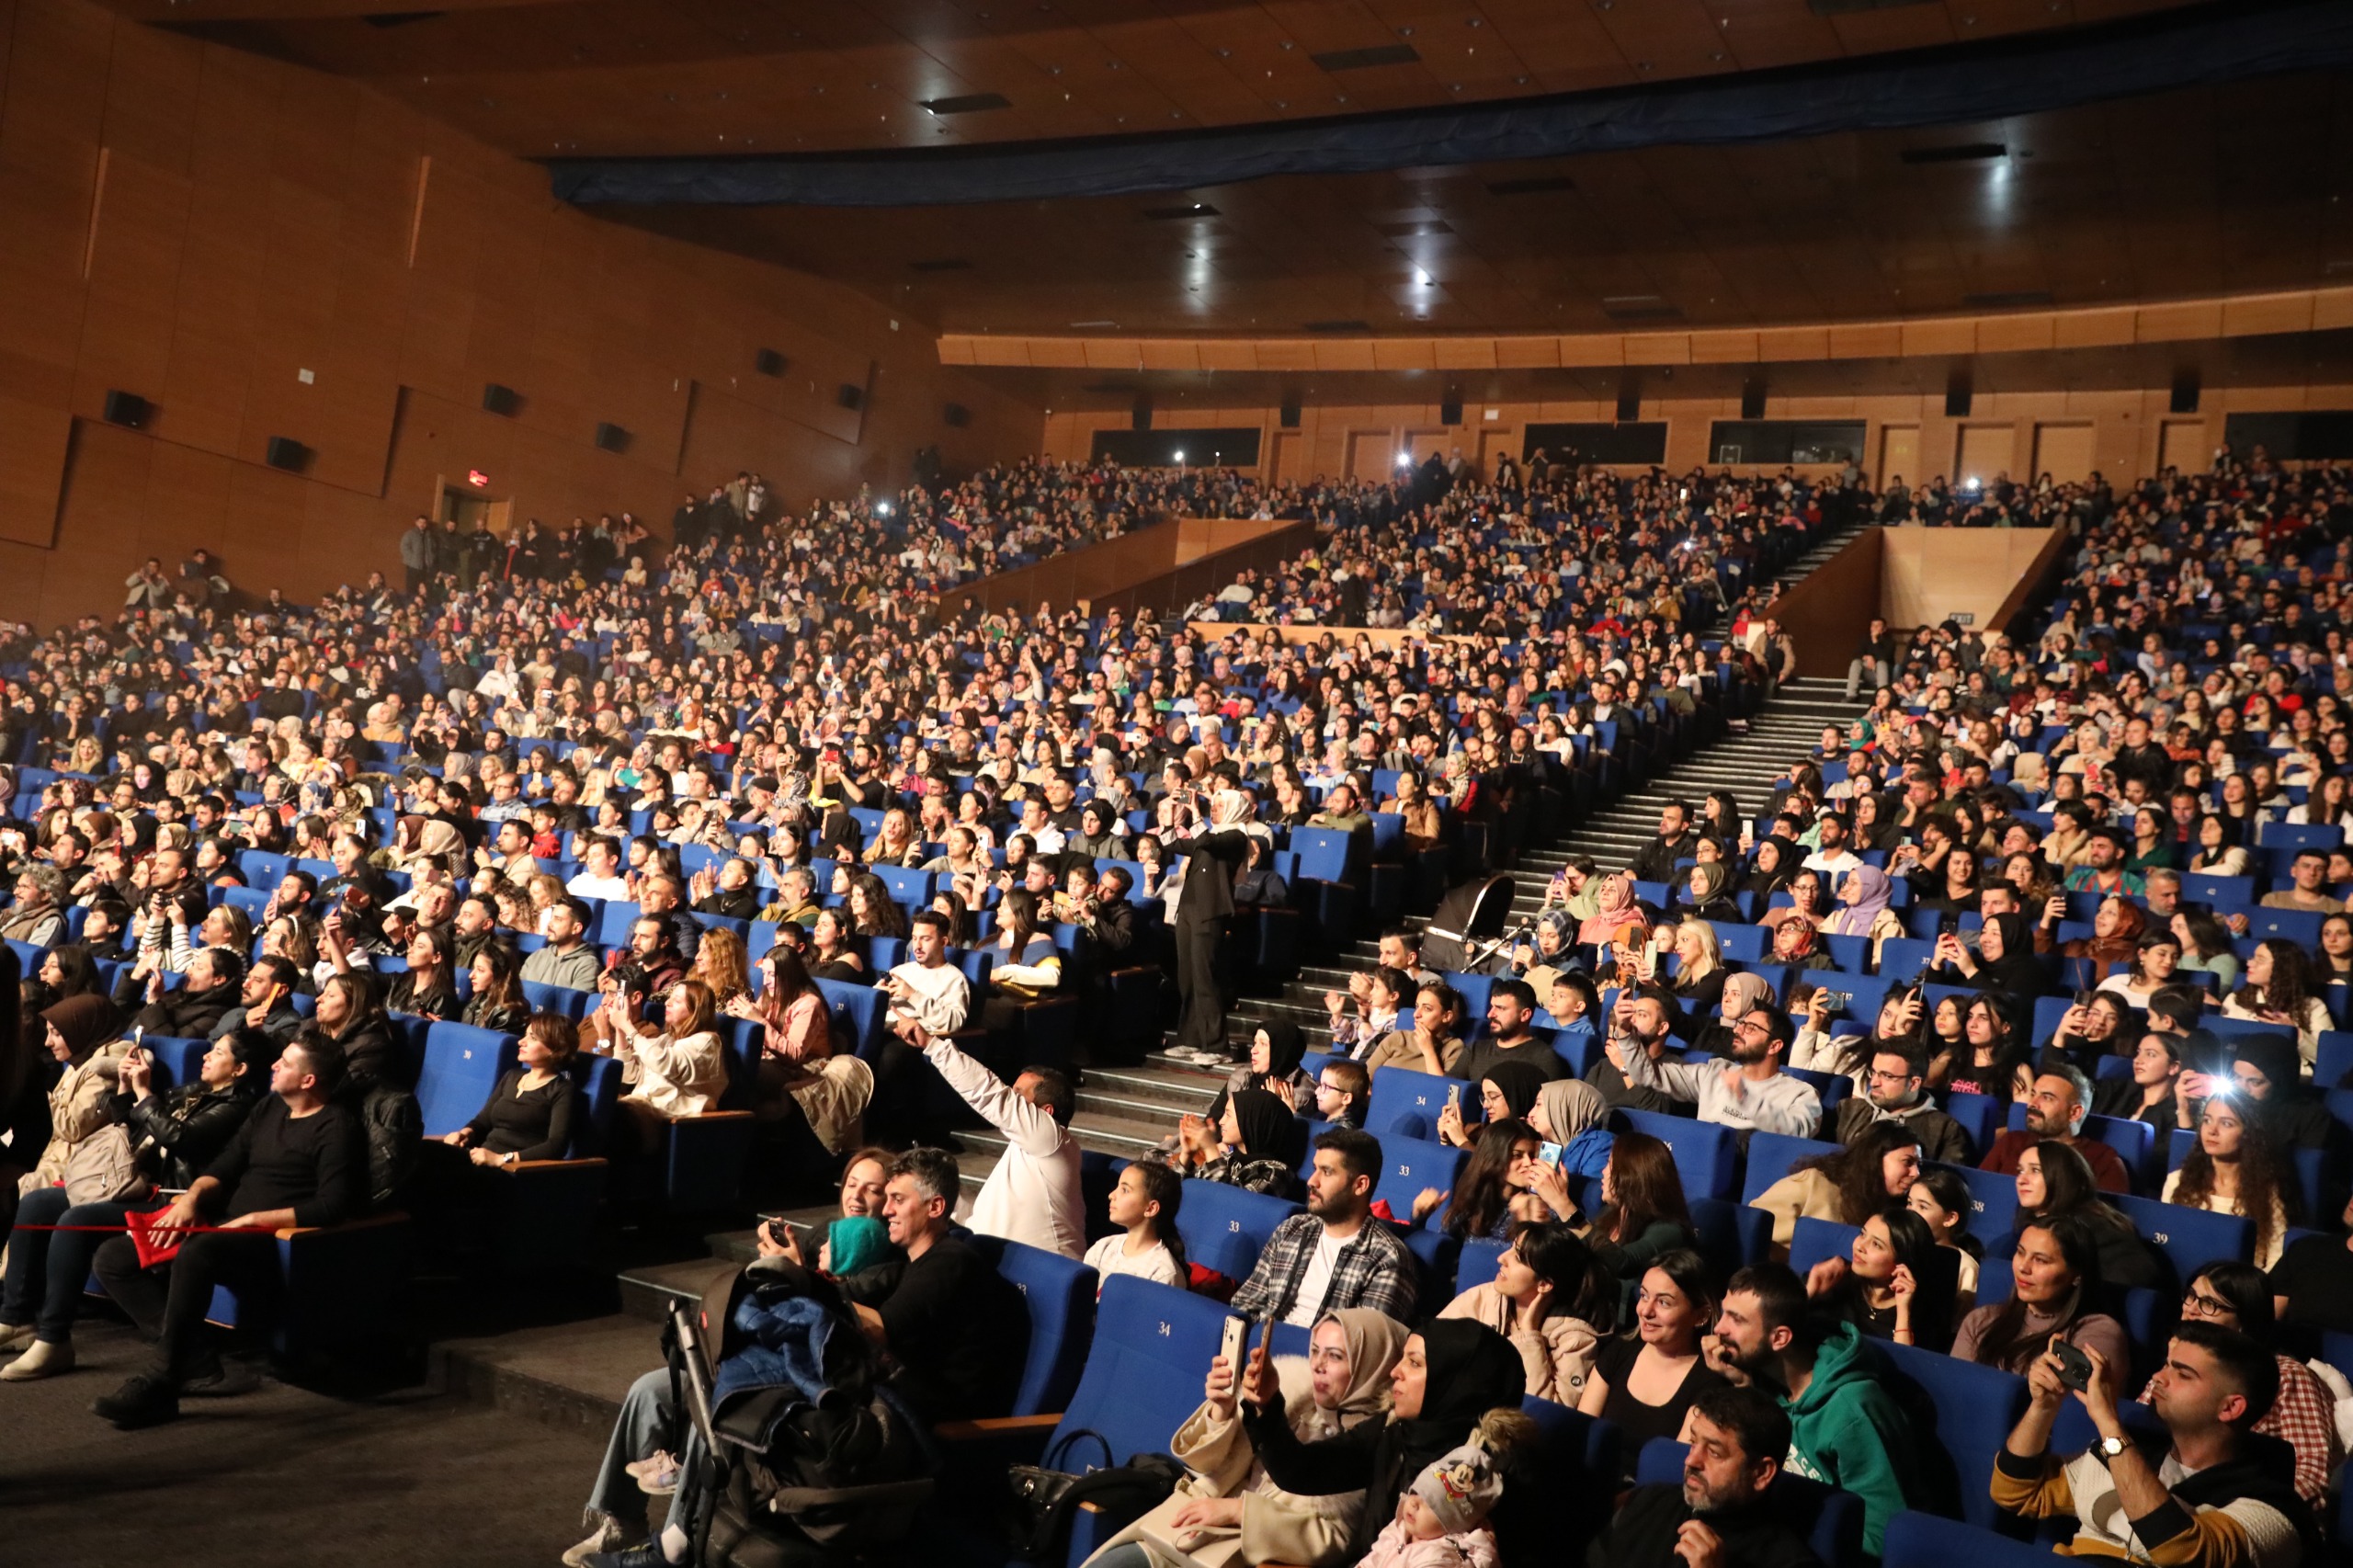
(2195, 193)
(702, 76)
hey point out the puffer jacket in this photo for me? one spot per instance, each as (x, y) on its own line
(179, 1133)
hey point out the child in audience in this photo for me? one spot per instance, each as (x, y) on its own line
(1441, 1519)
(1144, 1205)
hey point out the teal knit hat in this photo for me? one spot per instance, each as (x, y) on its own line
(859, 1242)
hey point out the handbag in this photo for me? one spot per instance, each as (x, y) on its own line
(1044, 1499)
(104, 1169)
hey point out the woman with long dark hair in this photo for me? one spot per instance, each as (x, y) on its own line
(1553, 1300)
(1481, 1203)
(1993, 1045)
(2236, 1168)
(2151, 1094)
(1892, 1286)
(2054, 1182)
(1643, 1209)
(2055, 1282)
(2280, 990)
(1878, 1168)
(1648, 1380)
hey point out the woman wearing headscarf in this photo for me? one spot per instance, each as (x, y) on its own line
(1615, 911)
(1863, 909)
(1769, 870)
(1706, 893)
(1538, 960)
(1572, 1113)
(1247, 1145)
(1227, 1511)
(80, 1032)
(1743, 994)
(1455, 1378)
(1276, 1048)
(2005, 959)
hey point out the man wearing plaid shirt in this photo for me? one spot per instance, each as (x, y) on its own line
(1335, 1254)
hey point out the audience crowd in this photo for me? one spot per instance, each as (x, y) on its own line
(2010, 1017)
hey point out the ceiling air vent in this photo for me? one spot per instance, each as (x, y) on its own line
(1958, 152)
(1531, 186)
(1366, 59)
(942, 264)
(970, 103)
(2007, 300)
(1339, 326)
(1639, 307)
(399, 18)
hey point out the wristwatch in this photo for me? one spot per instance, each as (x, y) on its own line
(2109, 1447)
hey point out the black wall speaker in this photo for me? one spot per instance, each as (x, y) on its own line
(1958, 396)
(1451, 411)
(128, 408)
(1630, 406)
(1290, 415)
(1752, 398)
(2185, 392)
(287, 454)
(769, 362)
(956, 416)
(501, 399)
(612, 437)
(1143, 416)
(850, 396)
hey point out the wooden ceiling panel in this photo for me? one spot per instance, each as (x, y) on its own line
(612, 76)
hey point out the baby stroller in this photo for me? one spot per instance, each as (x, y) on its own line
(1469, 926)
(799, 1455)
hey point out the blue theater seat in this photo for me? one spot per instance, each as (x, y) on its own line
(1707, 1155)
(1408, 1103)
(1225, 1228)
(1059, 1293)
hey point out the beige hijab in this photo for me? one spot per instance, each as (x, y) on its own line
(1375, 1341)
(1571, 1107)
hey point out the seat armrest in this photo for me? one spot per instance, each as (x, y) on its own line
(371, 1223)
(992, 1426)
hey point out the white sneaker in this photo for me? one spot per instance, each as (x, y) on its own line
(42, 1361)
(611, 1536)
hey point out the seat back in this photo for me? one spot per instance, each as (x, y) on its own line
(1407, 1103)
(1815, 1241)
(2189, 1238)
(1770, 1155)
(1410, 1164)
(1924, 1540)
(1993, 1200)
(461, 1066)
(1225, 1228)
(1577, 1464)
(1153, 1344)
(1707, 1155)
(1732, 1235)
(1060, 1293)
(1961, 1415)
(859, 1012)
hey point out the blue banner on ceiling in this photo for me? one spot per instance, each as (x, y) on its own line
(2039, 71)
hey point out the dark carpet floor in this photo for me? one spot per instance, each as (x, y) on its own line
(282, 1476)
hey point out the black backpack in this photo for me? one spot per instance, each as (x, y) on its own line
(1044, 1499)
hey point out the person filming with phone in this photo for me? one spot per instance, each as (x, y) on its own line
(2220, 1494)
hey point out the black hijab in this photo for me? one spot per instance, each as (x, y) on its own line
(1286, 1047)
(1263, 1122)
(2020, 970)
(1471, 1370)
(1520, 1083)
(1764, 884)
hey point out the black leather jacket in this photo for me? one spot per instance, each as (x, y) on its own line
(179, 1133)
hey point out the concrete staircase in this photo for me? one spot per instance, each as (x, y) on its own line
(1129, 1111)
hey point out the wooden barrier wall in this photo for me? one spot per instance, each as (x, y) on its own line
(1152, 568)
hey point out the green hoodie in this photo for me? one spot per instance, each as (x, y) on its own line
(1847, 1431)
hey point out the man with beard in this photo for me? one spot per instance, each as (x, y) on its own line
(1845, 1428)
(1895, 1089)
(2056, 1109)
(1334, 1256)
(1718, 1516)
(1750, 1093)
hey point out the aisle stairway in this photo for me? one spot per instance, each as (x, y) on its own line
(1127, 1110)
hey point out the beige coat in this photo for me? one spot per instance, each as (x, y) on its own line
(78, 1108)
(679, 1077)
(1557, 1352)
(1801, 1195)
(1276, 1525)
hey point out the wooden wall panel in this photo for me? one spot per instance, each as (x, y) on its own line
(256, 221)
(32, 466)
